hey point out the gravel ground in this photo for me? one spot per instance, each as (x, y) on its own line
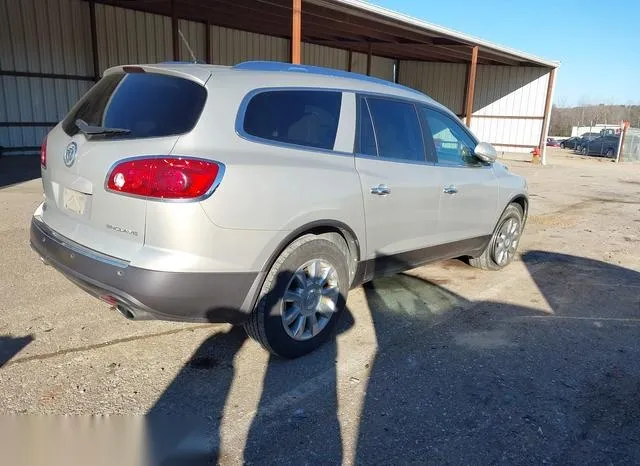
(445, 364)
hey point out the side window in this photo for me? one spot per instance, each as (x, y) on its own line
(306, 118)
(366, 139)
(397, 129)
(453, 145)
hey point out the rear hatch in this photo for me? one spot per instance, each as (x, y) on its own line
(130, 112)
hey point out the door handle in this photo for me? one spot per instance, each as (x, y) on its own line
(449, 189)
(381, 190)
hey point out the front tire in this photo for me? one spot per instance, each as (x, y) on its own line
(303, 296)
(503, 244)
(609, 153)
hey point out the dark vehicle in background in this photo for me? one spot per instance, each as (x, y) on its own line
(606, 146)
(584, 139)
(552, 142)
(570, 143)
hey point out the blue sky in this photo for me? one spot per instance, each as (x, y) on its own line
(589, 39)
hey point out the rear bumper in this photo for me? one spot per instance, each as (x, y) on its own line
(148, 294)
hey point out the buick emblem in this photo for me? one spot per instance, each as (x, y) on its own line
(70, 152)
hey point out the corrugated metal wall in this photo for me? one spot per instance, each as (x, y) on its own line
(320, 55)
(231, 46)
(359, 63)
(128, 36)
(54, 36)
(500, 91)
(41, 37)
(194, 34)
(444, 82)
(381, 67)
(508, 90)
(505, 91)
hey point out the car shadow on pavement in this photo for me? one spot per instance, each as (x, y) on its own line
(18, 168)
(452, 381)
(10, 346)
(498, 383)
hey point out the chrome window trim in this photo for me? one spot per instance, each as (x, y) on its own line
(427, 163)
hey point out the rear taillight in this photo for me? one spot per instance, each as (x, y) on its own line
(164, 177)
(43, 153)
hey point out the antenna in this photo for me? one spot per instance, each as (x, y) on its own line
(195, 60)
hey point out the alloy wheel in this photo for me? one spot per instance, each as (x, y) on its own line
(310, 299)
(506, 242)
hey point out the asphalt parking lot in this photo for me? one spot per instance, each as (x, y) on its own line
(445, 364)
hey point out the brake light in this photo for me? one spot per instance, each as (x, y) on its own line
(43, 153)
(164, 177)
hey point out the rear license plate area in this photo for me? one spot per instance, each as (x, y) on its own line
(74, 201)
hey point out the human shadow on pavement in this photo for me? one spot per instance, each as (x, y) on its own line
(460, 382)
(184, 424)
(10, 346)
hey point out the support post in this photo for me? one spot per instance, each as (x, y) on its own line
(207, 39)
(623, 133)
(296, 31)
(547, 116)
(396, 76)
(471, 85)
(350, 63)
(369, 53)
(174, 31)
(94, 40)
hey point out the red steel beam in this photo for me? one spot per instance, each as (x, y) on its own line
(296, 31)
(471, 85)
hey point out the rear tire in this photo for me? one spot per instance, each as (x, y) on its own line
(562, 146)
(609, 153)
(297, 310)
(503, 244)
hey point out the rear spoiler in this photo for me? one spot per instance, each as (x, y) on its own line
(192, 71)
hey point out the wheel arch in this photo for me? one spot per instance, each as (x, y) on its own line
(318, 227)
(522, 201)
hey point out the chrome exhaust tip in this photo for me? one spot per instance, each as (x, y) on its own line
(127, 313)
(132, 313)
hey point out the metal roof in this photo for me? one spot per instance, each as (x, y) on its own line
(412, 22)
(346, 24)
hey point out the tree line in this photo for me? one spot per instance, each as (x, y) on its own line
(564, 118)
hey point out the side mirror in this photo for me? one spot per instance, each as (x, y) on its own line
(485, 152)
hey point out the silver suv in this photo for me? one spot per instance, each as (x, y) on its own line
(260, 194)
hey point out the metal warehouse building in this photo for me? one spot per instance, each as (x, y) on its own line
(52, 51)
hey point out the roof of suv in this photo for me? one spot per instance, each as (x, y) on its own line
(270, 73)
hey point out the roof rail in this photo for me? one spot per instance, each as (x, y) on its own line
(281, 66)
(176, 62)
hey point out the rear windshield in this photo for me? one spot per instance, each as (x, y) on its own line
(146, 104)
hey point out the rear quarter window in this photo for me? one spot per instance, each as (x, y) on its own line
(147, 104)
(304, 118)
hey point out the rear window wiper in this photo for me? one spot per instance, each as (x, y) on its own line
(91, 130)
